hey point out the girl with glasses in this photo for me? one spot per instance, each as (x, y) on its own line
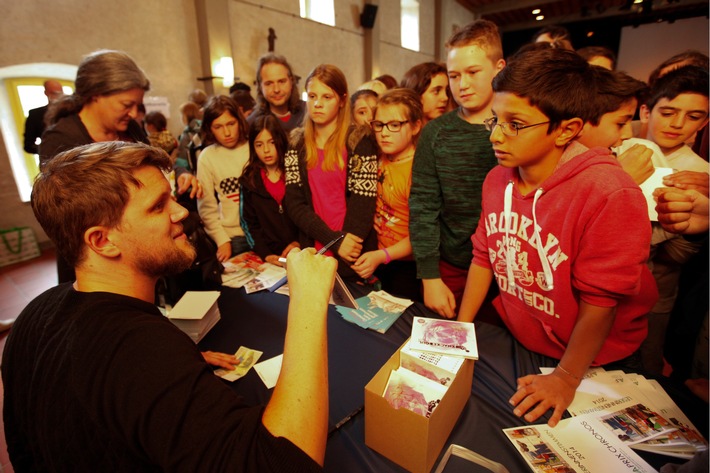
(397, 123)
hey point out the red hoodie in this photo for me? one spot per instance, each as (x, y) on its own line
(593, 223)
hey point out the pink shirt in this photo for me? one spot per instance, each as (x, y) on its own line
(328, 191)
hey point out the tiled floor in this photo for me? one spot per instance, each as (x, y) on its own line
(19, 284)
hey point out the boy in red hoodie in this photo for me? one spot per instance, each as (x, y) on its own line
(563, 229)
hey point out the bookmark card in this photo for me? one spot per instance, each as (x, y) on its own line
(445, 337)
(246, 357)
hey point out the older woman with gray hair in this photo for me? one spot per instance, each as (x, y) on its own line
(109, 88)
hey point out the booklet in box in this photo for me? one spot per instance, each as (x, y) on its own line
(440, 368)
(446, 337)
(408, 390)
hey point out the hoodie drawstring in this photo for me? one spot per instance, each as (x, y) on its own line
(509, 252)
(548, 283)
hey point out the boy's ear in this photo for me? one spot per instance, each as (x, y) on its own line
(568, 130)
(644, 113)
(500, 64)
(97, 240)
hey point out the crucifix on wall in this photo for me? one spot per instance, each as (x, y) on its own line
(272, 39)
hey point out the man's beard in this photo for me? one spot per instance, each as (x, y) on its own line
(175, 261)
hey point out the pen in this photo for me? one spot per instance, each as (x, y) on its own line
(345, 420)
(282, 281)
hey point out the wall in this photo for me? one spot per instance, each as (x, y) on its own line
(159, 34)
(307, 43)
(659, 41)
(162, 36)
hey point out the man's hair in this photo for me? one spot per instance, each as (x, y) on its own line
(590, 52)
(102, 72)
(156, 119)
(418, 78)
(614, 89)
(215, 107)
(684, 80)
(556, 81)
(294, 102)
(691, 57)
(481, 33)
(88, 186)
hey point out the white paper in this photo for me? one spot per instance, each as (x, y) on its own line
(269, 370)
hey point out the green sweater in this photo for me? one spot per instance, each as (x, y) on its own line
(452, 159)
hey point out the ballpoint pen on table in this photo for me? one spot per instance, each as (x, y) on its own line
(345, 420)
(282, 281)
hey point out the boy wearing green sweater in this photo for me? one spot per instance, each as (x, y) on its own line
(452, 159)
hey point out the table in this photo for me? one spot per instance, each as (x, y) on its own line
(258, 321)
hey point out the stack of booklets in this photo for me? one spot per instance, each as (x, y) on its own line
(249, 271)
(196, 313)
(376, 311)
(614, 413)
(429, 363)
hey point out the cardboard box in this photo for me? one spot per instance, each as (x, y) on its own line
(410, 440)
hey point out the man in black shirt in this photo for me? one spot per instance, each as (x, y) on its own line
(96, 379)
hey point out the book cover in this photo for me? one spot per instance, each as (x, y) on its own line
(408, 390)
(376, 311)
(241, 269)
(578, 444)
(445, 337)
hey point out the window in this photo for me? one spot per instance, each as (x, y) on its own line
(410, 24)
(321, 11)
(21, 90)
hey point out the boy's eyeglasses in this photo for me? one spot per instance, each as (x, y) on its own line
(393, 126)
(508, 128)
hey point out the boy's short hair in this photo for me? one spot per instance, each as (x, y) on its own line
(614, 89)
(559, 36)
(86, 186)
(156, 119)
(244, 99)
(481, 33)
(690, 57)
(557, 81)
(684, 80)
(590, 52)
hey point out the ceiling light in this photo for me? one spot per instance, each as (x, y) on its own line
(540, 17)
(536, 11)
